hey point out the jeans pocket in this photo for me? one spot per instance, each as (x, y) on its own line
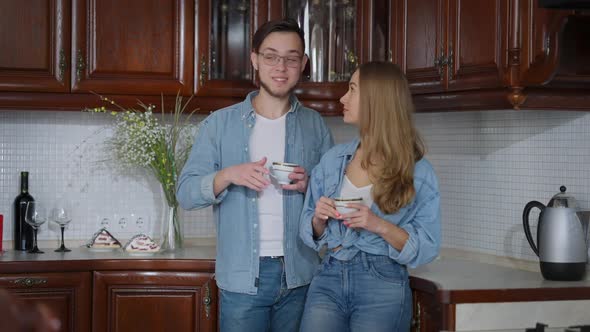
(388, 270)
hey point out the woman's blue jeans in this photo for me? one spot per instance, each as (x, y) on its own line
(366, 293)
(273, 308)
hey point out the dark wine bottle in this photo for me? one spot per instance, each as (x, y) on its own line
(23, 232)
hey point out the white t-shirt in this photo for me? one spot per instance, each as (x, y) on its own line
(268, 140)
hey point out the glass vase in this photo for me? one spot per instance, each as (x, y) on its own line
(172, 238)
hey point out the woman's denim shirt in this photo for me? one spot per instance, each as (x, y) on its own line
(420, 218)
(222, 141)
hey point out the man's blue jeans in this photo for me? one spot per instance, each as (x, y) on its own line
(274, 308)
(366, 293)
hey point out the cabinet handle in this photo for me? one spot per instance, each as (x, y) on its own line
(29, 282)
(80, 65)
(416, 319)
(204, 71)
(390, 56)
(451, 62)
(547, 45)
(62, 65)
(207, 301)
(440, 62)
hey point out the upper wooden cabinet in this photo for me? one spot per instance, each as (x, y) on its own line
(457, 54)
(35, 41)
(110, 46)
(452, 44)
(224, 34)
(133, 46)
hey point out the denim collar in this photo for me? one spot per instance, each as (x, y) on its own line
(349, 149)
(247, 109)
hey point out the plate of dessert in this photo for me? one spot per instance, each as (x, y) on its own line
(141, 245)
(103, 241)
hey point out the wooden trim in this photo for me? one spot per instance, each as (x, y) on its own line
(187, 265)
(497, 295)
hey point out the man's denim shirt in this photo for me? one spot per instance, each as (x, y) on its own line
(420, 218)
(223, 141)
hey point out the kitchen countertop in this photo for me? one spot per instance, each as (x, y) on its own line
(451, 279)
(82, 259)
(457, 280)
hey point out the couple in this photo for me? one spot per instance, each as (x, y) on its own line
(268, 235)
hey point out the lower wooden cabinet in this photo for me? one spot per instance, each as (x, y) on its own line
(66, 295)
(141, 301)
(175, 293)
(426, 316)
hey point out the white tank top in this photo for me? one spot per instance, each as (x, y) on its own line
(350, 190)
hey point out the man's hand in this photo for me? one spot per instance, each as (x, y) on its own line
(299, 180)
(251, 175)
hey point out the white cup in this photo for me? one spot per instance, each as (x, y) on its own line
(341, 203)
(280, 171)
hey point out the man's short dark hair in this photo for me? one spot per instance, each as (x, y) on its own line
(283, 25)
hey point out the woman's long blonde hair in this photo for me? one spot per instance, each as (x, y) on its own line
(391, 144)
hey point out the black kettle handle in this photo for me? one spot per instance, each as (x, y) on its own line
(525, 223)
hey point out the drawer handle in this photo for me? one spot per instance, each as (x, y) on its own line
(29, 282)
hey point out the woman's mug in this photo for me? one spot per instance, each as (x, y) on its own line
(280, 171)
(342, 202)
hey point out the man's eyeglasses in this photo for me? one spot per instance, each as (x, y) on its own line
(272, 59)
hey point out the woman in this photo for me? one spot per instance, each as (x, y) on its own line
(362, 283)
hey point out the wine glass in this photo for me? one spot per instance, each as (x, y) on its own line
(35, 215)
(61, 214)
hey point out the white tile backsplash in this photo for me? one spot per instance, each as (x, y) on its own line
(489, 164)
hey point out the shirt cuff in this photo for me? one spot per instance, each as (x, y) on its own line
(207, 190)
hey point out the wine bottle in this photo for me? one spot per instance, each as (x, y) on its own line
(23, 232)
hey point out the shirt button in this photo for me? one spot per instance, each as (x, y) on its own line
(249, 126)
(253, 199)
(255, 225)
(246, 149)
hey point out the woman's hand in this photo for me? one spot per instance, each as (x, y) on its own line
(364, 218)
(324, 209)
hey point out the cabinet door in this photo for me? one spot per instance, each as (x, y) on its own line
(224, 34)
(67, 295)
(476, 47)
(133, 46)
(541, 29)
(423, 53)
(129, 301)
(35, 39)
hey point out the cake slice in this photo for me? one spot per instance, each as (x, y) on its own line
(103, 239)
(141, 243)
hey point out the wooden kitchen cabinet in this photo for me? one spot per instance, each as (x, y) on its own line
(133, 46)
(426, 312)
(35, 40)
(142, 301)
(452, 44)
(67, 295)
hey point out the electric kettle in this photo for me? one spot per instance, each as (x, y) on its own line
(561, 237)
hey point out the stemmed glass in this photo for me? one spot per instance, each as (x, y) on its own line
(35, 215)
(61, 215)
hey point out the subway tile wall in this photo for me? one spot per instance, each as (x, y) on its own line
(489, 164)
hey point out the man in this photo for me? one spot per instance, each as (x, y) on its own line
(262, 266)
